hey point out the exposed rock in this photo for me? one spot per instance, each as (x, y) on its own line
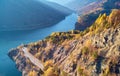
(95, 52)
(91, 12)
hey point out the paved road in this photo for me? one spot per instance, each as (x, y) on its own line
(33, 59)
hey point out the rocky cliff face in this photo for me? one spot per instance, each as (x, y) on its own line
(90, 13)
(93, 52)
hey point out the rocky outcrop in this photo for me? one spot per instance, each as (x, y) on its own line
(23, 63)
(92, 52)
(88, 14)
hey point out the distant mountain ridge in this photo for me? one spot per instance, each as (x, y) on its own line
(29, 14)
(89, 13)
(77, 4)
(73, 4)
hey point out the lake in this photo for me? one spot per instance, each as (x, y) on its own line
(12, 39)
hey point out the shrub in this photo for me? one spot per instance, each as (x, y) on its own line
(86, 31)
(85, 50)
(48, 64)
(80, 70)
(107, 71)
(50, 72)
(88, 43)
(81, 33)
(95, 55)
(32, 73)
(63, 73)
(37, 55)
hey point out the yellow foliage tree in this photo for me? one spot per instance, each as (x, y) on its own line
(48, 64)
(32, 73)
(50, 72)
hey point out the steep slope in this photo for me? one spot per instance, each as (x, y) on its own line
(77, 4)
(89, 13)
(73, 4)
(93, 52)
(29, 14)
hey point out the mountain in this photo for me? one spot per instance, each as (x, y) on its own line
(92, 52)
(30, 14)
(74, 5)
(61, 2)
(89, 13)
(77, 4)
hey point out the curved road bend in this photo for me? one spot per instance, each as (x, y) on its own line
(33, 59)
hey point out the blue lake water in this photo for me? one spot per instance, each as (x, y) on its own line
(13, 39)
